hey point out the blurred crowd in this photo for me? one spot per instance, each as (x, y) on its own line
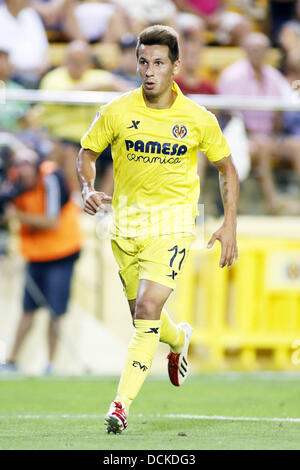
(31, 30)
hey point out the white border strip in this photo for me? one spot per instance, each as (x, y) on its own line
(176, 416)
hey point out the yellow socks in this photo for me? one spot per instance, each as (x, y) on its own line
(170, 333)
(141, 351)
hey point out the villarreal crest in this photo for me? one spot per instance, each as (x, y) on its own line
(179, 131)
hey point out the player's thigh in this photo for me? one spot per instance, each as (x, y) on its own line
(162, 259)
(125, 253)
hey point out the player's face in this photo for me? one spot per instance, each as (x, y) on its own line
(156, 69)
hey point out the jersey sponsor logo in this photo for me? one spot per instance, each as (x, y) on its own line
(179, 131)
(141, 366)
(170, 152)
(147, 159)
(134, 125)
(156, 147)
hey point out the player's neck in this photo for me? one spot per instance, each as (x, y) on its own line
(163, 101)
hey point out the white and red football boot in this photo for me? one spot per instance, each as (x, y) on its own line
(178, 363)
(116, 419)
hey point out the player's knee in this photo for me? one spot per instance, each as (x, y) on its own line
(147, 309)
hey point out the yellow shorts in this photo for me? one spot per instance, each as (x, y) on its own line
(155, 259)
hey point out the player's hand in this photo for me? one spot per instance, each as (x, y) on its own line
(94, 201)
(227, 237)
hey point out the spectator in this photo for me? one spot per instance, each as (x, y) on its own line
(11, 114)
(101, 21)
(190, 25)
(286, 147)
(289, 41)
(50, 241)
(251, 77)
(148, 12)
(281, 12)
(67, 123)
(59, 15)
(127, 63)
(228, 27)
(22, 30)
(188, 79)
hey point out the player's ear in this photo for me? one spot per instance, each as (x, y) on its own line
(176, 67)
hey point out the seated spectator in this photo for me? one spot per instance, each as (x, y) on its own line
(143, 13)
(188, 79)
(127, 63)
(101, 21)
(229, 27)
(11, 114)
(59, 15)
(67, 123)
(190, 25)
(251, 77)
(22, 30)
(289, 41)
(285, 147)
(281, 12)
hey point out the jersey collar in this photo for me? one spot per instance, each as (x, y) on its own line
(176, 103)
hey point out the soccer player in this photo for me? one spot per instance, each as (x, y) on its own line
(154, 132)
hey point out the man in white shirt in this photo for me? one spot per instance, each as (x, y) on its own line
(24, 34)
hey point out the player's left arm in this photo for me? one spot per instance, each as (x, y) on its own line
(226, 234)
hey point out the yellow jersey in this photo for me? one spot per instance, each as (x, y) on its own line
(154, 155)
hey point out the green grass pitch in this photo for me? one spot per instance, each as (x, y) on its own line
(67, 413)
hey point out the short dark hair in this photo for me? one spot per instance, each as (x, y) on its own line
(160, 35)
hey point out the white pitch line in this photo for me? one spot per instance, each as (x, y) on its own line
(232, 418)
(181, 416)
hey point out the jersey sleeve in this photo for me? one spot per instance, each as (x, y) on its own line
(211, 139)
(100, 133)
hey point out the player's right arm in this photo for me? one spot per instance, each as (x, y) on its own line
(99, 135)
(86, 170)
